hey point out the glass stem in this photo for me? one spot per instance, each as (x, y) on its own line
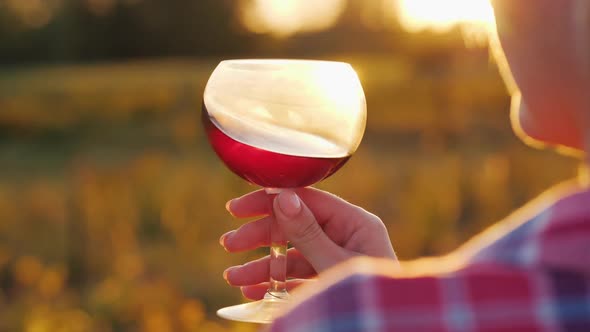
(278, 260)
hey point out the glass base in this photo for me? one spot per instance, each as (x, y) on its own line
(261, 312)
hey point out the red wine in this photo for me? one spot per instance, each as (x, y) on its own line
(266, 168)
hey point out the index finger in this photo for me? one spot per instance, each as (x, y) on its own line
(324, 205)
(255, 204)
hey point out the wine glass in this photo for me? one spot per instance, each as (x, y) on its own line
(282, 124)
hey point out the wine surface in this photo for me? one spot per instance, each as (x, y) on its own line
(297, 108)
(266, 168)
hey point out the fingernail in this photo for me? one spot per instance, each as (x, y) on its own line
(289, 203)
(224, 237)
(228, 206)
(226, 272)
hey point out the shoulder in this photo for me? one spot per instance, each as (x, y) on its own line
(552, 231)
(370, 296)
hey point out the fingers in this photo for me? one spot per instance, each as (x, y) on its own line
(257, 292)
(325, 206)
(301, 228)
(254, 204)
(300, 214)
(252, 235)
(257, 271)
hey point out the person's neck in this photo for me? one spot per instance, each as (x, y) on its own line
(581, 32)
(584, 168)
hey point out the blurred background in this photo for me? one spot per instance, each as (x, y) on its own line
(111, 201)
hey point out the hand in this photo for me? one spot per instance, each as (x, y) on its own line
(324, 230)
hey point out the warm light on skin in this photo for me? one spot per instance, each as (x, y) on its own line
(550, 102)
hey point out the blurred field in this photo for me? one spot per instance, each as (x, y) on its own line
(111, 202)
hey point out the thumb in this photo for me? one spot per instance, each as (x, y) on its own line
(301, 228)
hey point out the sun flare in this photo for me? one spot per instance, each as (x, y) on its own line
(442, 15)
(283, 18)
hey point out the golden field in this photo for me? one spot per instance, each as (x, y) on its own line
(112, 203)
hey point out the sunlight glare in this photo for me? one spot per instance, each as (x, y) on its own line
(283, 18)
(443, 15)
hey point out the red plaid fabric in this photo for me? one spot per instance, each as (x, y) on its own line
(528, 273)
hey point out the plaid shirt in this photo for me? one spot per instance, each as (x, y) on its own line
(530, 272)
